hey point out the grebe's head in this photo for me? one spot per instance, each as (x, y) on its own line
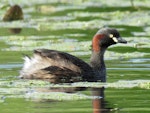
(106, 37)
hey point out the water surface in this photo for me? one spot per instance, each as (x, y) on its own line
(69, 26)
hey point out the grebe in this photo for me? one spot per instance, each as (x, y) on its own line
(61, 67)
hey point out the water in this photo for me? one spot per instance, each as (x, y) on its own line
(69, 26)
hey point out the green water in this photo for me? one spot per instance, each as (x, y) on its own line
(69, 26)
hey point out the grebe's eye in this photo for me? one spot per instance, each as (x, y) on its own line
(111, 35)
(113, 38)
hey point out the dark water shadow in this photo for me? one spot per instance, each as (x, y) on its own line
(99, 104)
(15, 30)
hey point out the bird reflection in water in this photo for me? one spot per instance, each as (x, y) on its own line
(99, 104)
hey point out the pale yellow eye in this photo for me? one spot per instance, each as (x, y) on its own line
(111, 36)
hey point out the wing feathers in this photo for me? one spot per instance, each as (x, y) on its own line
(55, 66)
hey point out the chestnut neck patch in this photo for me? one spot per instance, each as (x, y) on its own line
(96, 42)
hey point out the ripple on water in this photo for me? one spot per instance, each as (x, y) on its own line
(10, 66)
(139, 60)
(34, 88)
